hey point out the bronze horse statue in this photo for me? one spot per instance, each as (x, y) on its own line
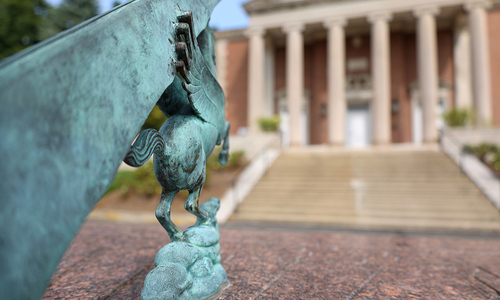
(195, 106)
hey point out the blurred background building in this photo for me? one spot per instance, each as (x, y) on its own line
(361, 72)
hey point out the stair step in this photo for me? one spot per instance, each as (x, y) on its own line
(369, 189)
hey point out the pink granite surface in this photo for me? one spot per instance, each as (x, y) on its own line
(110, 261)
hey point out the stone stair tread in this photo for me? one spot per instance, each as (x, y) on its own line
(372, 205)
(373, 222)
(376, 213)
(407, 189)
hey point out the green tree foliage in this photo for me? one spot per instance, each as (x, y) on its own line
(69, 14)
(20, 21)
(26, 22)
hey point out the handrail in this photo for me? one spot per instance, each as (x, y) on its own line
(71, 106)
(446, 133)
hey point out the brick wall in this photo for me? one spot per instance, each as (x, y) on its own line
(445, 61)
(280, 69)
(494, 37)
(279, 73)
(401, 118)
(236, 91)
(319, 94)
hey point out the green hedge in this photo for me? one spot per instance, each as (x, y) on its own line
(269, 124)
(457, 117)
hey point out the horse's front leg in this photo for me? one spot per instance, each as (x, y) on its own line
(224, 154)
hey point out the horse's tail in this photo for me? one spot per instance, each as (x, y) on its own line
(148, 142)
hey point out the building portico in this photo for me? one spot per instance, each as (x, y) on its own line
(357, 62)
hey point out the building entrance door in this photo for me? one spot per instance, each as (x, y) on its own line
(358, 133)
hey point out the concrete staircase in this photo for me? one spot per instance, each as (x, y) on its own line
(370, 189)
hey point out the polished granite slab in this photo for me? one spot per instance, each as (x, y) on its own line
(267, 261)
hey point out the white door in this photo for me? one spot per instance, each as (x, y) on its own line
(358, 126)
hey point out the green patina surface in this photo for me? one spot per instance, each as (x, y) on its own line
(70, 107)
(195, 105)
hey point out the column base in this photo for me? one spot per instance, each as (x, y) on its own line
(336, 144)
(381, 143)
(296, 145)
(430, 141)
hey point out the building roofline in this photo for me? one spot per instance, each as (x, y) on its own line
(257, 6)
(231, 34)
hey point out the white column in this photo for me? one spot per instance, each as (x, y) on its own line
(269, 90)
(256, 77)
(336, 80)
(294, 79)
(427, 69)
(462, 64)
(481, 76)
(381, 76)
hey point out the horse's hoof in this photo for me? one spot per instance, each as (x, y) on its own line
(223, 157)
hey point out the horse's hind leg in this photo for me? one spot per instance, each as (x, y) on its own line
(192, 203)
(224, 154)
(163, 215)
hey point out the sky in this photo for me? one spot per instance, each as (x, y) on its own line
(227, 15)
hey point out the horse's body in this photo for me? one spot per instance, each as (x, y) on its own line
(182, 165)
(188, 143)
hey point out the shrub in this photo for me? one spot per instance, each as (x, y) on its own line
(236, 159)
(457, 117)
(482, 150)
(143, 181)
(269, 124)
(496, 160)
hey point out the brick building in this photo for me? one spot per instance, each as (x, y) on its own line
(360, 72)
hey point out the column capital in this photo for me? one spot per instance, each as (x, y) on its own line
(426, 10)
(474, 4)
(339, 21)
(293, 27)
(379, 16)
(255, 31)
